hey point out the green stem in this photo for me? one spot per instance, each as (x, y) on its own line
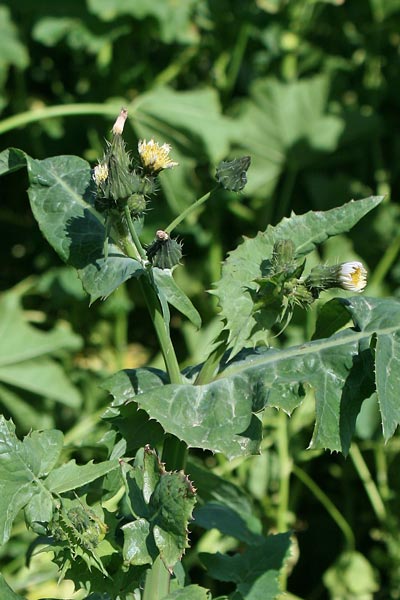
(189, 210)
(132, 231)
(385, 263)
(162, 331)
(64, 110)
(154, 307)
(369, 484)
(328, 505)
(285, 469)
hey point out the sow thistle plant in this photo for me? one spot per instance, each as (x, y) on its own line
(129, 543)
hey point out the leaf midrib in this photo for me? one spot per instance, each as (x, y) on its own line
(302, 350)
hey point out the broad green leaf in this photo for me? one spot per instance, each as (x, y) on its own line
(288, 126)
(248, 262)
(174, 18)
(254, 571)
(6, 592)
(217, 416)
(175, 296)
(71, 476)
(22, 465)
(61, 196)
(39, 511)
(332, 317)
(381, 318)
(216, 491)
(190, 592)
(24, 355)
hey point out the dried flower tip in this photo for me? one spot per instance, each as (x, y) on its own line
(162, 235)
(352, 276)
(154, 157)
(118, 126)
(100, 173)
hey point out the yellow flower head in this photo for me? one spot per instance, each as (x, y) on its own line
(353, 276)
(154, 157)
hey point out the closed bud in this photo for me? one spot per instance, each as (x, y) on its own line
(137, 204)
(164, 252)
(282, 255)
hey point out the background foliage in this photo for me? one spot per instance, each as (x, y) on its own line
(307, 88)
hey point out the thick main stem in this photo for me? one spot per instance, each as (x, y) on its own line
(174, 451)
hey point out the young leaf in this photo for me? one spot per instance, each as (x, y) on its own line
(172, 504)
(247, 263)
(175, 296)
(163, 500)
(232, 175)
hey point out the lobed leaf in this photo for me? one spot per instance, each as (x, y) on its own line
(162, 504)
(221, 416)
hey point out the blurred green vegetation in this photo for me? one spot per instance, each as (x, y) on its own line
(307, 88)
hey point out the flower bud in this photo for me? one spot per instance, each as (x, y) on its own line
(137, 204)
(351, 276)
(164, 252)
(282, 255)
